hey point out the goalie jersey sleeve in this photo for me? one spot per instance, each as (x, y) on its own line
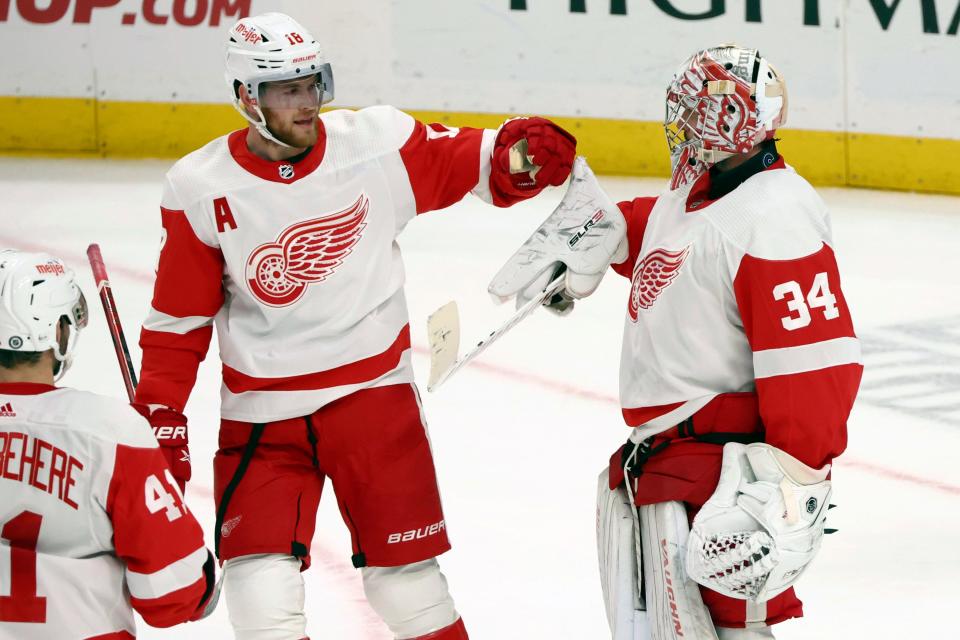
(297, 264)
(806, 356)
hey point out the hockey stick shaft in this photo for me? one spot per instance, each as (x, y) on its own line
(555, 286)
(113, 319)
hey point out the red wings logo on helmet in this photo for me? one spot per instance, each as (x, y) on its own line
(307, 252)
(652, 275)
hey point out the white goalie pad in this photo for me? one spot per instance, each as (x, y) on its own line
(674, 605)
(585, 233)
(763, 525)
(618, 551)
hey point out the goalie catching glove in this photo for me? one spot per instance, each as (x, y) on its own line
(762, 527)
(583, 235)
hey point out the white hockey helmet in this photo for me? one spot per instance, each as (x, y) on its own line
(272, 47)
(721, 102)
(36, 291)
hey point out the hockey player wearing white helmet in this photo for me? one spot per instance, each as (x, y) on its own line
(283, 235)
(92, 523)
(739, 369)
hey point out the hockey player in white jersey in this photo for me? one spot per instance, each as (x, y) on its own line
(283, 235)
(92, 522)
(739, 368)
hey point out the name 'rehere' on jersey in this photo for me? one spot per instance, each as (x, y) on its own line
(741, 294)
(297, 264)
(91, 523)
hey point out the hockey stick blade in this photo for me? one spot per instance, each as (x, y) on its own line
(444, 329)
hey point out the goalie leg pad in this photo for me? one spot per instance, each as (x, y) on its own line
(264, 595)
(618, 551)
(412, 599)
(673, 600)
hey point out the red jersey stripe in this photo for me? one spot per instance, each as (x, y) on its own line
(354, 373)
(636, 212)
(170, 362)
(443, 164)
(787, 303)
(805, 414)
(190, 272)
(643, 415)
(174, 608)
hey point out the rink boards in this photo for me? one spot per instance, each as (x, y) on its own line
(871, 102)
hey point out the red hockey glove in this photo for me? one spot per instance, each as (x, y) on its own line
(170, 428)
(549, 147)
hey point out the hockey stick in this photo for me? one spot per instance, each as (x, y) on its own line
(113, 319)
(444, 329)
(130, 378)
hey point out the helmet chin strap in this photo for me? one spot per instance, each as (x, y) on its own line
(260, 124)
(64, 360)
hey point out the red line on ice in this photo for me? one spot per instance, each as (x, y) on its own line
(532, 379)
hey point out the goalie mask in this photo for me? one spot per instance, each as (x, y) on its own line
(36, 292)
(273, 47)
(722, 102)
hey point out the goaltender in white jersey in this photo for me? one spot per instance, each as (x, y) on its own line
(739, 367)
(92, 524)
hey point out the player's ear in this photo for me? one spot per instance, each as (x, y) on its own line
(246, 100)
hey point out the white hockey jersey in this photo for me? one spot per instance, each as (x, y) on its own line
(739, 294)
(90, 521)
(297, 264)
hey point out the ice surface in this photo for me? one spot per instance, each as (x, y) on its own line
(520, 436)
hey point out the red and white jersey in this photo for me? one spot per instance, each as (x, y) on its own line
(297, 263)
(739, 294)
(90, 521)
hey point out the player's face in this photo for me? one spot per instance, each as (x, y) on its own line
(690, 123)
(291, 108)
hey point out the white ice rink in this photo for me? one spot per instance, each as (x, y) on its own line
(520, 437)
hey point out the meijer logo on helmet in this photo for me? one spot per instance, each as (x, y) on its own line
(250, 35)
(52, 268)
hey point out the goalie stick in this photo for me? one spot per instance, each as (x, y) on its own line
(443, 327)
(113, 319)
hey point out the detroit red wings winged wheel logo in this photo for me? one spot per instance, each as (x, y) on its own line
(652, 275)
(307, 252)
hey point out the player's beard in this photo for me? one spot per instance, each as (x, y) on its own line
(284, 126)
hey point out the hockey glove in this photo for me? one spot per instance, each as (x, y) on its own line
(582, 236)
(763, 525)
(170, 428)
(547, 156)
